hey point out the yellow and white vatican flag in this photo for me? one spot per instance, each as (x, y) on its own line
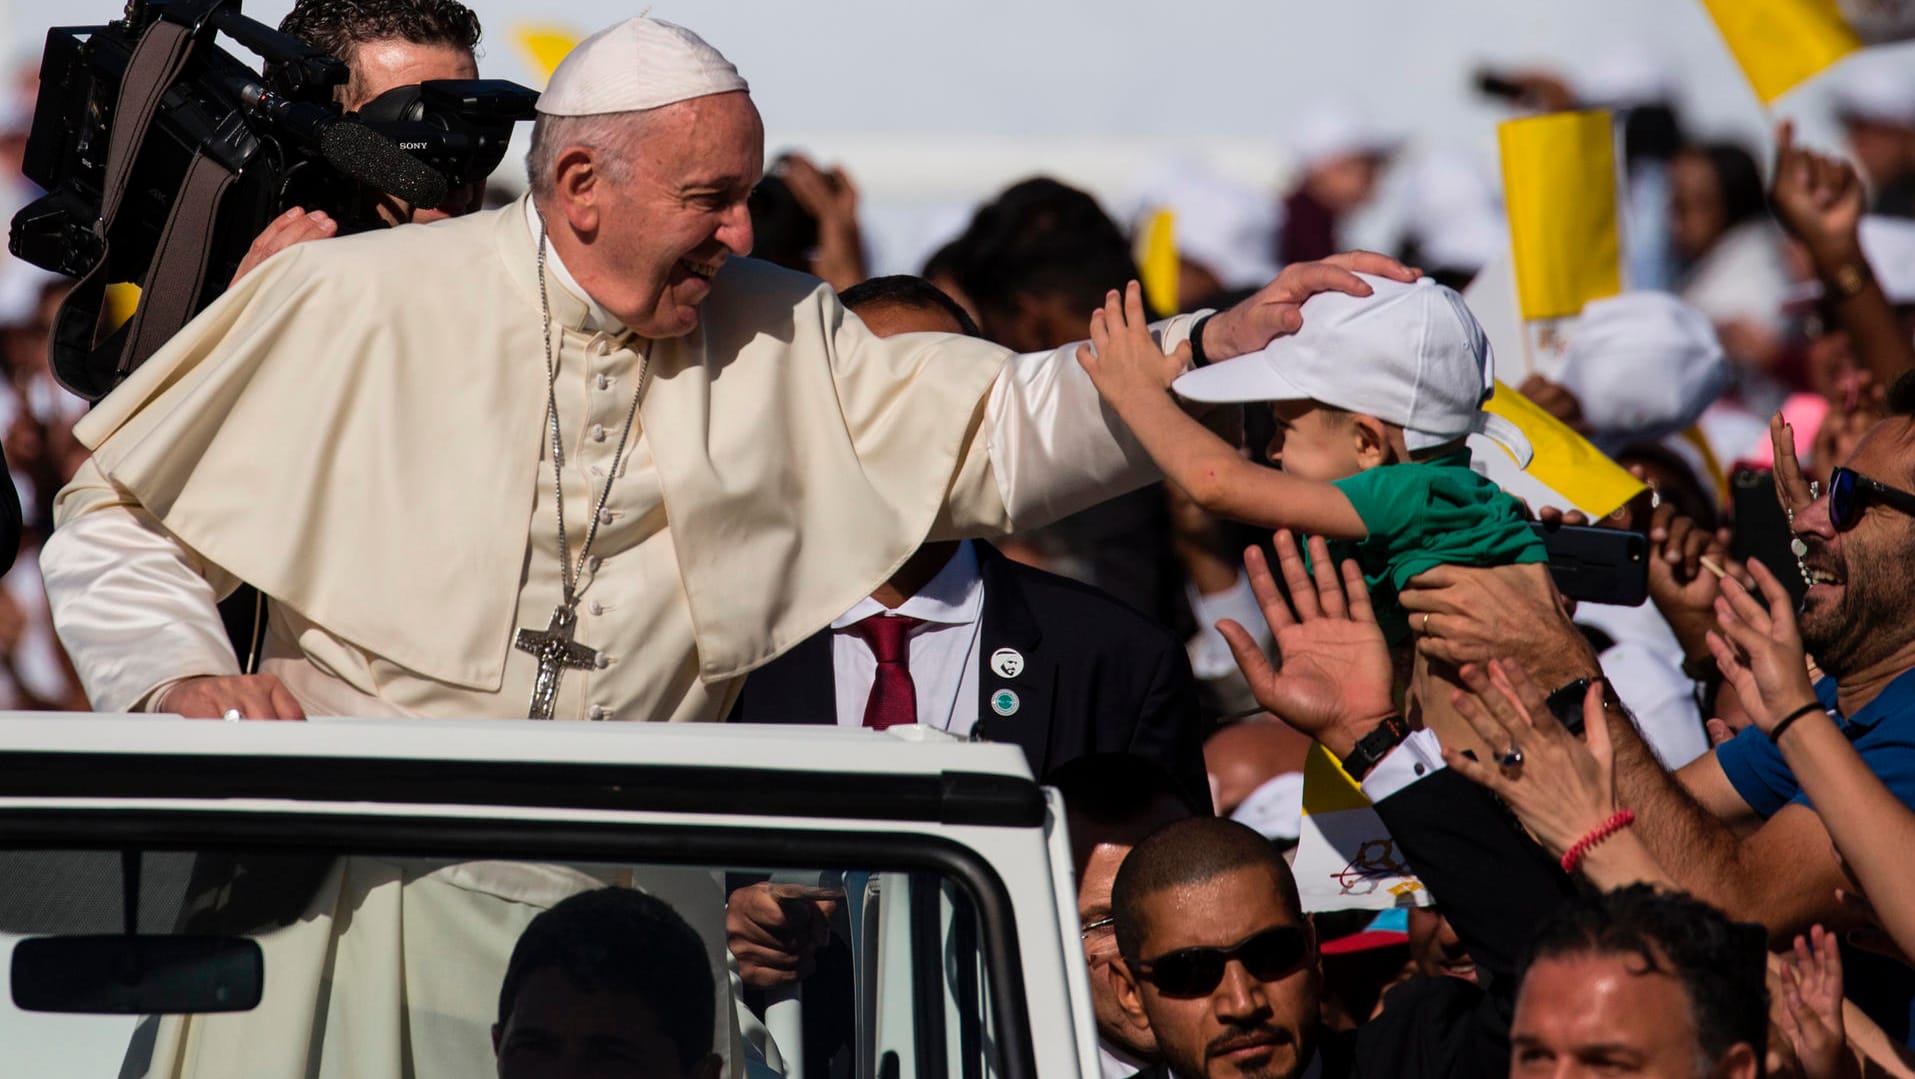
(1158, 265)
(1565, 241)
(1559, 177)
(1567, 471)
(543, 46)
(1346, 859)
(1779, 44)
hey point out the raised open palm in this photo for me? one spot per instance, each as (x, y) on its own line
(1335, 668)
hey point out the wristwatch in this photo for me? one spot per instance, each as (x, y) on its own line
(1849, 279)
(1566, 704)
(1374, 746)
(1197, 357)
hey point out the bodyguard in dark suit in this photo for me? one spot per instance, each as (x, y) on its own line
(1056, 667)
(1062, 670)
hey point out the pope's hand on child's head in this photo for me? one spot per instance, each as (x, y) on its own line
(1123, 359)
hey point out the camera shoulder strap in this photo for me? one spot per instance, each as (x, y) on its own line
(83, 362)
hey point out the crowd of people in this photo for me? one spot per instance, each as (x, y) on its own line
(1660, 840)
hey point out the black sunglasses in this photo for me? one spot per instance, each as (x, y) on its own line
(1267, 955)
(1850, 492)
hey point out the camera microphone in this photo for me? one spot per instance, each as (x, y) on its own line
(372, 159)
(352, 148)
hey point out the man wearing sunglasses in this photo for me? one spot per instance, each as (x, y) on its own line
(1734, 827)
(1219, 961)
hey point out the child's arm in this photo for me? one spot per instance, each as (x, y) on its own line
(1134, 377)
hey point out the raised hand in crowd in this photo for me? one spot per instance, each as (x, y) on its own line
(1820, 201)
(1334, 679)
(1759, 651)
(1791, 486)
(1811, 1012)
(832, 199)
(1564, 791)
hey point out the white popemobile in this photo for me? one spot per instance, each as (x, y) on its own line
(961, 917)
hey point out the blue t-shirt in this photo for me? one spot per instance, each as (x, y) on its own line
(1882, 731)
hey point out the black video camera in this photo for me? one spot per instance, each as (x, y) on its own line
(121, 202)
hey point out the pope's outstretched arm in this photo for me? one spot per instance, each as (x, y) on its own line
(1048, 446)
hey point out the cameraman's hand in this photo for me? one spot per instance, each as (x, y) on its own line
(295, 226)
(255, 696)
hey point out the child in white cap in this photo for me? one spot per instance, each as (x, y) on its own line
(1374, 399)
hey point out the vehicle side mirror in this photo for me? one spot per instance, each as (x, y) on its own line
(137, 975)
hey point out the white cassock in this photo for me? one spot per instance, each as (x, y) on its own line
(357, 429)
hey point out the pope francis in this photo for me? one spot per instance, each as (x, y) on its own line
(577, 458)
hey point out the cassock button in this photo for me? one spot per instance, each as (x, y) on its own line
(604, 381)
(601, 661)
(1007, 663)
(1004, 702)
(604, 517)
(598, 432)
(592, 563)
(597, 607)
(599, 712)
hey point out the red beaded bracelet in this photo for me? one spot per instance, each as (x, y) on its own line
(1623, 819)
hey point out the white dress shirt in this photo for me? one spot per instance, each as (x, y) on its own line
(943, 652)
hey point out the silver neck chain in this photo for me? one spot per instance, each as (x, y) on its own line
(570, 575)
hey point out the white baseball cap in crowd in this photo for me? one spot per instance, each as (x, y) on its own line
(1643, 365)
(1408, 354)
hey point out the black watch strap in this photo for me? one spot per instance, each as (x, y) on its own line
(1566, 704)
(1374, 746)
(1197, 357)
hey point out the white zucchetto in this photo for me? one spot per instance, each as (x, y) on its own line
(641, 63)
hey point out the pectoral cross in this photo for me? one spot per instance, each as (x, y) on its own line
(555, 650)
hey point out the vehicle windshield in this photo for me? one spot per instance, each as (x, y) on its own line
(378, 964)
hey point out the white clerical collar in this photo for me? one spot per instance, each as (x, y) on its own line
(597, 318)
(954, 597)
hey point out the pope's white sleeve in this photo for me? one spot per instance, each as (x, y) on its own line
(1054, 446)
(135, 610)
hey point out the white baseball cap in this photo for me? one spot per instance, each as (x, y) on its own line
(1643, 365)
(1408, 354)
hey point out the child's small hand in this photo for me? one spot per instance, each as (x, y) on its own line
(1122, 359)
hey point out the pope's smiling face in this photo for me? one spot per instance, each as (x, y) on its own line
(655, 233)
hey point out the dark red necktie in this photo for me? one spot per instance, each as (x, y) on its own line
(894, 697)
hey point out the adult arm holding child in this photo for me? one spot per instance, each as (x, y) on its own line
(1134, 376)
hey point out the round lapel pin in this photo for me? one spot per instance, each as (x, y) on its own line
(1007, 663)
(1004, 702)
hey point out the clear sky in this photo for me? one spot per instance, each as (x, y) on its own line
(934, 103)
